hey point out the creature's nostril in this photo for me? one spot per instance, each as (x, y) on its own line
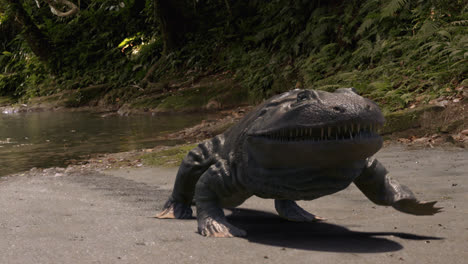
(339, 109)
(368, 107)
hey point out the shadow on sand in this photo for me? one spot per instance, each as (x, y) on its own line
(269, 229)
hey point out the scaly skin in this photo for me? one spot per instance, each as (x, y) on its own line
(300, 145)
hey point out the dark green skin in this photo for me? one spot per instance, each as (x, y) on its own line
(300, 145)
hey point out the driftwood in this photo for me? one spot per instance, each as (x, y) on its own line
(53, 8)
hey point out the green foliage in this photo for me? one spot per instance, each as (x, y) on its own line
(86, 49)
(390, 50)
(413, 47)
(171, 157)
(392, 7)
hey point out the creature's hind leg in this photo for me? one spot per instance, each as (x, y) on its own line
(197, 161)
(289, 210)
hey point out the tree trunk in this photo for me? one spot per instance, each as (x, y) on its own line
(36, 39)
(137, 7)
(174, 21)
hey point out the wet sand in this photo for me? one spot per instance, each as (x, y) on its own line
(104, 216)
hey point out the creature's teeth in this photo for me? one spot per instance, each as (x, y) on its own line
(339, 129)
(358, 127)
(329, 131)
(345, 128)
(350, 135)
(321, 132)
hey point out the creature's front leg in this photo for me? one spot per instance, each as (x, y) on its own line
(213, 185)
(197, 161)
(383, 190)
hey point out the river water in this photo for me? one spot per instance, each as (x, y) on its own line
(47, 139)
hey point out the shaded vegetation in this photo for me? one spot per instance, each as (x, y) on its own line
(392, 51)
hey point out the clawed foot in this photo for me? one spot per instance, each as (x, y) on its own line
(218, 228)
(175, 210)
(416, 207)
(289, 210)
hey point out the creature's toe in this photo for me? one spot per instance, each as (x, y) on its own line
(175, 210)
(303, 216)
(415, 207)
(212, 228)
(289, 210)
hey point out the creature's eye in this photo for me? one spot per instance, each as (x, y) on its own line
(307, 95)
(302, 96)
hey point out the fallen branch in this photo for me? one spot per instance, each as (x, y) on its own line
(55, 10)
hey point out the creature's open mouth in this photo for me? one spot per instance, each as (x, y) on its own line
(350, 131)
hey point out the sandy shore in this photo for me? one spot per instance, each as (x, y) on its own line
(90, 214)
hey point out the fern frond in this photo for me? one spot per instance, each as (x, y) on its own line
(445, 33)
(392, 7)
(428, 28)
(364, 26)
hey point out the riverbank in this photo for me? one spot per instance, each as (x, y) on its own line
(417, 137)
(443, 115)
(211, 93)
(441, 123)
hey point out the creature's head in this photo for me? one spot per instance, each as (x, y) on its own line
(314, 128)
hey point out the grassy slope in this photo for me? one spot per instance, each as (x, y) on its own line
(398, 53)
